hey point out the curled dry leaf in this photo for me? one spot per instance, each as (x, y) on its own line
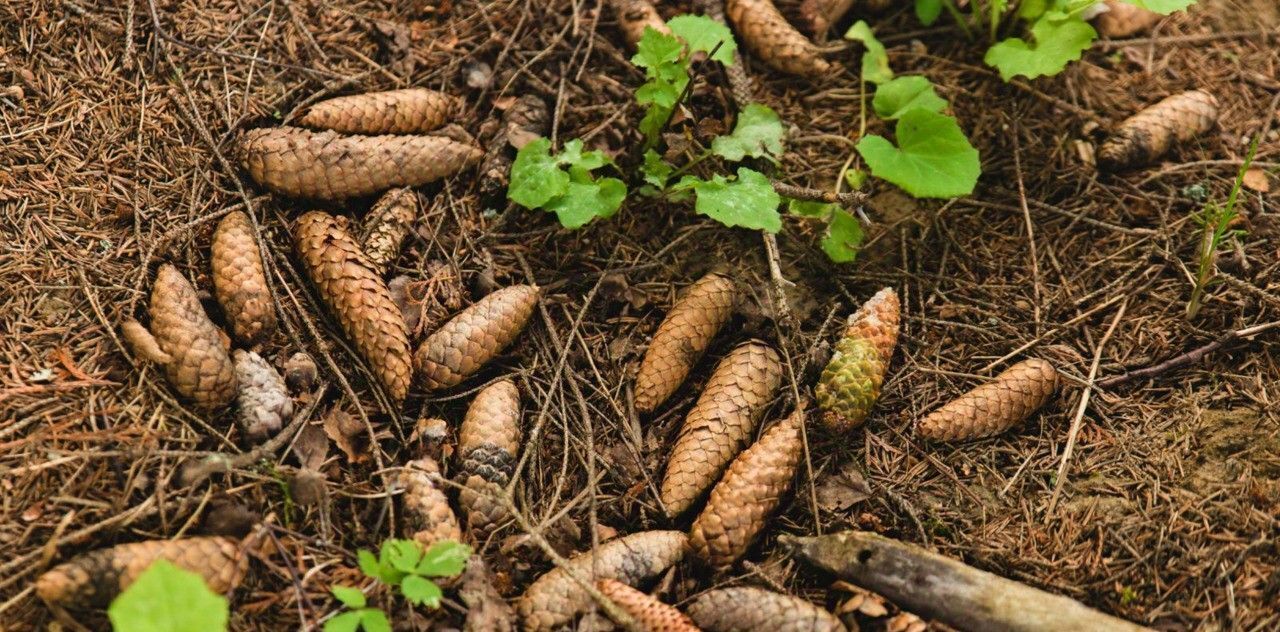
(850, 384)
(358, 297)
(770, 37)
(311, 447)
(1122, 19)
(526, 119)
(487, 611)
(92, 580)
(752, 609)
(721, 422)
(1149, 134)
(488, 443)
(474, 337)
(329, 166)
(682, 337)
(430, 518)
(407, 111)
(348, 433)
(142, 343)
(995, 406)
(240, 281)
(634, 16)
(648, 611)
(263, 405)
(386, 226)
(554, 599)
(838, 491)
(300, 372)
(199, 367)
(1257, 180)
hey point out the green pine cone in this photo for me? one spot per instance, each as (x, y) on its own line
(850, 384)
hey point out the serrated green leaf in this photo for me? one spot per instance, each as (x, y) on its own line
(758, 133)
(927, 11)
(704, 34)
(843, 238)
(573, 156)
(651, 125)
(536, 177)
(1163, 7)
(933, 158)
(810, 208)
(656, 48)
(587, 200)
(1059, 40)
(403, 554)
(894, 98)
(345, 622)
(421, 591)
(748, 201)
(660, 93)
(875, 61)
(166, 598)
(350, 597)
(369, 564)
(374, 620)
(655, 170)
(447, 558)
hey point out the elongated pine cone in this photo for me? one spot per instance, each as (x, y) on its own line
(526, 119)
(850, 385)
(751, 489)
(770, 37)
(408, 111)
(488, 444)
(263, 404)
(995, 406)
(429, 517)
(385, 227)
(92, 580)
(682, 337)
(199, 367)
(240, 281)
(648, 611)
(475, 336)
(636, 15)
(329, 166)
(1149, 134)
(754, 609)
(721, 422)
(554, 599)
(1122, 19)
(357, 296)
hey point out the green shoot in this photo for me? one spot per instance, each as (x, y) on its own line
(1217, 219)
(405, 566)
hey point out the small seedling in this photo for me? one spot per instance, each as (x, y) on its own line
(403, 565)
(1216, 219)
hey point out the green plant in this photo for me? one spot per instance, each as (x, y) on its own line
(405, 566)
(1216, 220)
(166, 598)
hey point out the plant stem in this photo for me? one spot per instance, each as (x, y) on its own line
(706, 153)
(959, 18)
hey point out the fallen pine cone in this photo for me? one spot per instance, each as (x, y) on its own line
(488, 443)
(92, 580)
(554, 599)
(239, 280)
(751, 489)
(526, 120)
(818, 16)
(408, 111)
(263, 404)
(487, 611)
(770, 37)
(358, 297)
(995, 406)
(329, 166)
(850, 385)
(1122, 19)
(431, 519)
(472, 338)
(1147, 135)
(385, 227)
(649, 612)
(754, 609)
(682, 337)
(634, 16)
(721, 422)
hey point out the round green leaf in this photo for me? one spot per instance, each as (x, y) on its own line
(704, 34)
(933, 158)
(345, 622)
(421, 591)
(894, 98)
(1059, 40)
(350, 597)
(166, 598)
(535, 175)
(758, 133)
(843, 238)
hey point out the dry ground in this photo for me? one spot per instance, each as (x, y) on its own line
(112, 161)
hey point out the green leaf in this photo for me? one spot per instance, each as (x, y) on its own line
(1059, 40)
(660, 93)
(843, 238)
(933, 158)
(855, 178)
(374, 620)
(1030, 10)
(350, 597)
(651, 124)
(369, 564)
(703, 34)
(758, 133)
(894, 98)
(345, 622)
(536, 177)
(447, 558)
(655, 170)
(421, 591)
(927, 11)
(1163, 7)
(748, 201)
(656, 48)
(572, 155)
(875, 61)
(588, 199)
(403, 554)
(166, 598)
(809, 208)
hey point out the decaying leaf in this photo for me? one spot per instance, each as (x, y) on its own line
(1257, 180)
(648, 611)
(753, 609)
(861, 601)
(682, 337)
(487, 611)
(634, 16)
(429, 517)
(386, 226)
(488, 443)
(838, 491)
(850, 384)
(311, 447)
(407, 111)
(1149, 134)
(199, 367)
(263, 405)
(474, 337)
(994, 407)
(1122, 19)
(769, 36)
(347, 433)
(240, 281)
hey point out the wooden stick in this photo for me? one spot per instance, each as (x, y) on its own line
(938, 587)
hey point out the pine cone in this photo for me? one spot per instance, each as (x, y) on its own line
(385, 227)
(240, 281)
(769, 36)
(649, 612)
(995, 406)
(408, 111)
(634, 16)
(682, 337)
(430, 517)
(488, 443)
(263, 405)
(851, 383)
(474, 337)
(199, 367)
(818, 16)
(1149, 134)
(754, 609)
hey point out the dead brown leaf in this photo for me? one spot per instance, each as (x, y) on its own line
(347, 433)
(1257, 180)
(311, 447)
(840, 491)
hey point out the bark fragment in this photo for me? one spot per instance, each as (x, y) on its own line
(648, 611)
(994, 407)
(199, 368)
(430, 518)
(748, 609)
(682, 337)
(850, 385)
(1149, 134)
(475, 336)
(240, 280)
(407, 111)
(488, 443)
(769, 36)
(263, 405)
(386, 226)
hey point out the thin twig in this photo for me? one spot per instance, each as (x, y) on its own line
(1184, 359)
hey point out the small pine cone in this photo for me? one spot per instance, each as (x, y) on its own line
(1149, 134)
(430, 518)
(408, 111)
(329, 166)
(526, 119)
(358, 297)
(751, 489)
(995, 406)
(92, 580)
(769, 36)
(240, 281)
(754, 609)
(199, 369)
(475, 336)
(1122, 19)
(488, 443)
(300, 372)
(554, 599)
(649, 612)
(263, 404)
(634, 16)
(386, 226)
(721, 422)
(850, 385)
(682, 337)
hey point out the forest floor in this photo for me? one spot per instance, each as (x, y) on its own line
(116, 146)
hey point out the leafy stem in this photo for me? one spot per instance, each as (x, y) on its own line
(1217, 223)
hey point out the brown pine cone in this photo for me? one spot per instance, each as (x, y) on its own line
(769, 36)
(995, 406)
(263, 404)
(682, 337)
(850, 384)
(751, 489)
(199, 369)
(92, 580)
(1122, 19)
(526, 120)
(818, 16)
(386, 226)
(1149, 134)
(636, 15)
(554, 599)
(329, 166)
(240, 281)
(720, 423)
(488, 443)
(407, 111)
(649, 612)
(755, 609)
(429, 517)
(358, 297)
(475, 336)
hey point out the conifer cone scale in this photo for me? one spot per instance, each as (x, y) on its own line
(755, 609)
(994, 407)
(199, 367)
(407, 111)
(850, 384)
(475, 336)
(769, 36)
(488, 443)
(1149, 134)
(240, 280)
(682, 338)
